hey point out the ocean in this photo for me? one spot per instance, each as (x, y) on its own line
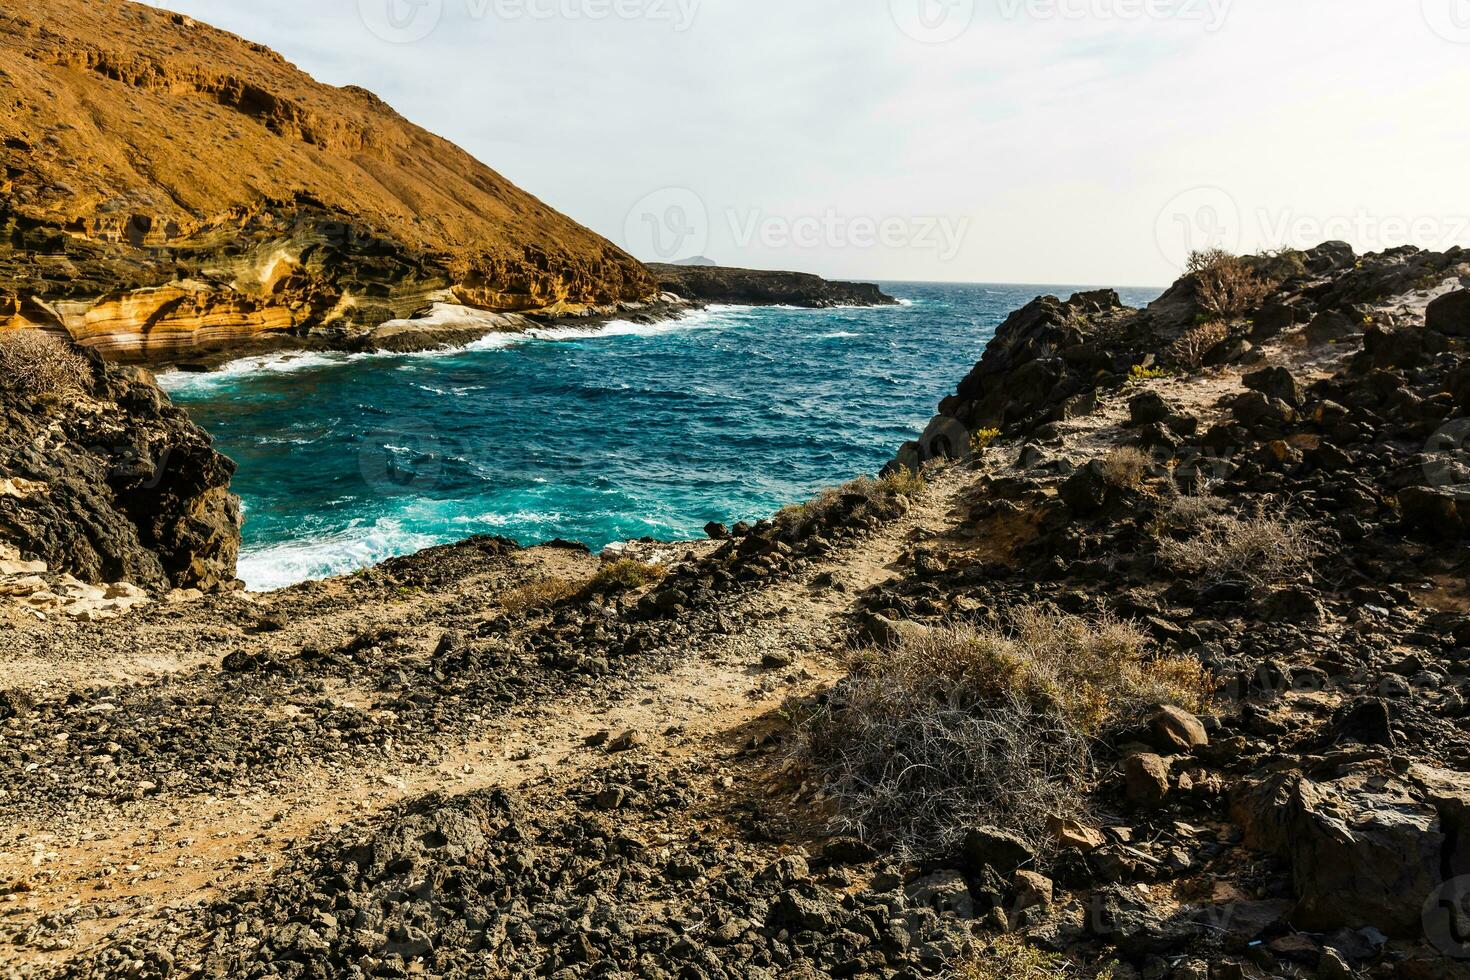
(595, 435)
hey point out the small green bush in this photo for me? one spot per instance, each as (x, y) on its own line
(982, 440)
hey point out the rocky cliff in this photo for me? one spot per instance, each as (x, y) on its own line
(754, 287)
(102, 479)
(167, 187)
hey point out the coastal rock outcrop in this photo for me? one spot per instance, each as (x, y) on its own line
(167, 188)
(756, 287)
(111, 483)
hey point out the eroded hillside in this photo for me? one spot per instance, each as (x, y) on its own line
(168, 186)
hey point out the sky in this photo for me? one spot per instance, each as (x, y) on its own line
(1030, 141)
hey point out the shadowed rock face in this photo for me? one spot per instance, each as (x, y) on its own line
(168, 187)
(116, 485)
(754, 287)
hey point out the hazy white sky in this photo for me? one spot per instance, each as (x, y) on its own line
(1038, 141)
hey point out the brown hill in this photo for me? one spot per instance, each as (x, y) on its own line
(169, 186)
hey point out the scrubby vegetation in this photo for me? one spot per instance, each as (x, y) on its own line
(42, 365)
(864, 497)
(1227, 285)
(622, 575)
(961, 726)
(1190, 349)
(1125, 467)
(1200, 537)
(1009, 958)
(982, 439)
(541, 594)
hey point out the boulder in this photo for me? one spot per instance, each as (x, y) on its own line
(1070, 833)
(995, 848)
(1364, 848)
(1331, 327)
(1437, 511)
(1085, 491)
(1147, 409)
(1032, 890)
(945, 892)
(1277, 383)
(1147, 777)
(1176, 730)
(1450, 314)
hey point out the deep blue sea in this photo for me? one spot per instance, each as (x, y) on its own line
(591, 435)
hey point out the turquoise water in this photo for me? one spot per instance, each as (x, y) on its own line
(596, 436)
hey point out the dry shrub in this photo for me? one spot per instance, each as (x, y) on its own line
(1125, 467)
(42, 365)
(1185, 513)
(1191, 348)
(1009, 958)
(541, 594)
(1219, 546)
(1227, 285)
(622, 575)
(959, 726)
(863, 497)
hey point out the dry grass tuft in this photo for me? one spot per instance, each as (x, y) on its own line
(1009, 958)
(1190, 349)
(42, 365)
(1227, 285)
(1126, 467)
(538, 595)
(622, 575)
(961, 726)
(1220, 546)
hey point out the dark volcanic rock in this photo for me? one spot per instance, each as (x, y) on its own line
(1450, 314)
(117, 485)
(756, 287)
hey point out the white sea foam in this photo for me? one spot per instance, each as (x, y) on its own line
(839, 334)
(284, 362)
(361, 546)
(441, 315)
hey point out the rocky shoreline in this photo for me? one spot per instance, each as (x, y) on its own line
(485, 759)
(754, 287)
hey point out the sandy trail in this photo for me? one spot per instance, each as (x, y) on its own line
(105, 873)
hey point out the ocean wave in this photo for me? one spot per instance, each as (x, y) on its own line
(287, 563)
(839, 335)
(283, 362)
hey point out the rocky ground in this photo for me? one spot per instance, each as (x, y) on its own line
(486, 761)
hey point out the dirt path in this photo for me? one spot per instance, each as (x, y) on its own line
(63, 891)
